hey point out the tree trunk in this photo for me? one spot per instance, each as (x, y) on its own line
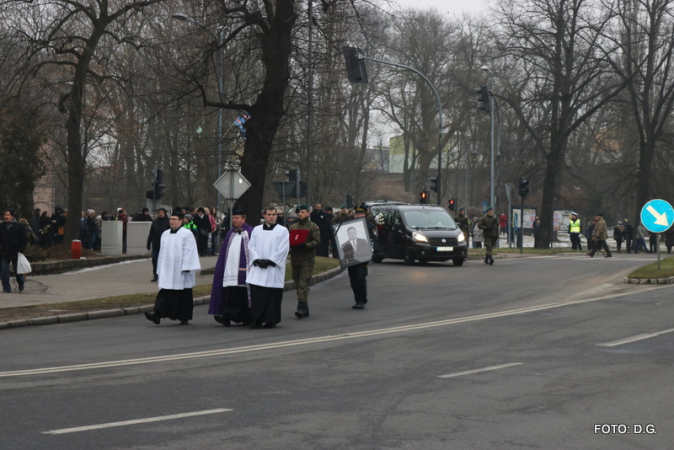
(266, 113)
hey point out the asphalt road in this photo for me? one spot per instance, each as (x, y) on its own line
(523, 354)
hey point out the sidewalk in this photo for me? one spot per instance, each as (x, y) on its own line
(130, 277)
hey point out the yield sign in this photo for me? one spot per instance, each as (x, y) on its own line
(657, 216)
(232, 184)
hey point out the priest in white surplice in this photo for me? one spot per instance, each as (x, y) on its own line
(176, 266)
(268, 249)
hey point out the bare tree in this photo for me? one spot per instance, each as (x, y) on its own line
(642, 55)
(556, 44)
(63, 37)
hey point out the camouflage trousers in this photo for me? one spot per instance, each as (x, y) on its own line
(302, 273)
(489, 243)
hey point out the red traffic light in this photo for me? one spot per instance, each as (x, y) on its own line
(423, 197)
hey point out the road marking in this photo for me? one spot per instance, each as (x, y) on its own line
(134, 422)
(318, 340)
(486, 369)
(639, 337)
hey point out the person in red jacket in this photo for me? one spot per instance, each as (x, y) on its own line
(503, 223)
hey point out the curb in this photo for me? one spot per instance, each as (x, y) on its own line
(103, 314)
(669, 280)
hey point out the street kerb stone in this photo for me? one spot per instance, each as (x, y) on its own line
(131, 310)
(4, 325)
(72, 317)
(18, 323)
(105, 313)
(43, 320)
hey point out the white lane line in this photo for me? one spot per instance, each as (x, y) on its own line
(134, 422)
(639, 337)
(485, 369)
(329, 338)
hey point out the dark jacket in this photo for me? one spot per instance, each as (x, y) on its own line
(159, 225)
(203, 224)
(13, 240)
(489, 225)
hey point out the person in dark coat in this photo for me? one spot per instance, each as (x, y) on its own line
(58, 225)
(13, 241)
(319, 217)
(618, 234)
(589, 231)
(203, 224)
(358, 273)
(628, 234)
(669, 239)
(159, 225)
(230, 296)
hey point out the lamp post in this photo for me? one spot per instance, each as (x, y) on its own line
(219, 38)
(486, 70)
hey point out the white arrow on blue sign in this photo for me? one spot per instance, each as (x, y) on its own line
(657, 216)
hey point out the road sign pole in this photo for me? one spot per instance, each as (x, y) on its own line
(657, 245)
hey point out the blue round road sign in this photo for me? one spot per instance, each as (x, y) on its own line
(657, 216)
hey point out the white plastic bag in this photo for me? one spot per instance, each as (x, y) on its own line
(22, 265)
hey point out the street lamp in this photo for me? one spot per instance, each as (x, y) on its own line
(218, 40)
(487, 72)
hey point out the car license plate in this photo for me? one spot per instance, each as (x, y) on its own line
(445, 249)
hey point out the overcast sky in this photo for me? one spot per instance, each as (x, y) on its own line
(453, 7)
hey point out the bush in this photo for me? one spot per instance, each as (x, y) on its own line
(38, 254)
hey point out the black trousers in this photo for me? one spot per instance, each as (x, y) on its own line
(155, 257)
(628, 244)
(575, 241)
(358, 278)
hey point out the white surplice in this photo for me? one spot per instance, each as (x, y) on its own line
(273, 245)
(231, 277)
(178, 260)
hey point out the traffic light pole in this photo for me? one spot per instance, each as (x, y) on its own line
(522, 227)
(437, 97)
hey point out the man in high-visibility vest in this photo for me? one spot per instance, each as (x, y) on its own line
(575, 229)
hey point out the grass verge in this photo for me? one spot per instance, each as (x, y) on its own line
(527, 251)
(124, 301)
(651, 270)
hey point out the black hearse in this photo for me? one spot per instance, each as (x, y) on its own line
(418, 233)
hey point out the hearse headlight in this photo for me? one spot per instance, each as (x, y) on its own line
(418, 237)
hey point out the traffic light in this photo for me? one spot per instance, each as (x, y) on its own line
(483, 100)
(434, 183)
(355, 65)
(292, 174)
(452, 204)
(524, 187)
(303, 188)
(349, 201)
(423, 197)
(159, 185)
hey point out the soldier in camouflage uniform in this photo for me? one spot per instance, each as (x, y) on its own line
(302, 259)
(489, 225)
(464, 224)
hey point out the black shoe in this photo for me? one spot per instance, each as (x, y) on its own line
(269, 325)
(358, 306)
(154, 280)
(302, 310)
(591, 255)
(21, 286)
(184, 322)
(152, 317)
(491, 260)
(256, 325)
(224, 319)
(486, 259)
